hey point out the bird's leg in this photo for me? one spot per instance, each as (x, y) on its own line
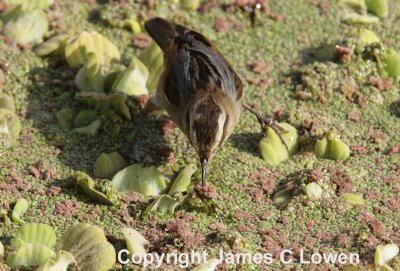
(265, 121)
(132, 147)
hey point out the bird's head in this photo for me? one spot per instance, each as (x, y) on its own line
(209, 125)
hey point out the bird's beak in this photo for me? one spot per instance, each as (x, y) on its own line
(204, 169)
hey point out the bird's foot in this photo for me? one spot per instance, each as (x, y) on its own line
(266, 121)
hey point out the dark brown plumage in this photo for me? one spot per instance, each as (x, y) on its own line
(198, 88)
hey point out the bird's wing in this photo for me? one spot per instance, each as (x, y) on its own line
(193, 63)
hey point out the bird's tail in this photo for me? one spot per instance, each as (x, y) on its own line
(162, 32)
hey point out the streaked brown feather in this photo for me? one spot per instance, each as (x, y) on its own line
(192, 63)
(198, 88)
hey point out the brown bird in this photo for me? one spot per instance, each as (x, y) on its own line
(198, 88)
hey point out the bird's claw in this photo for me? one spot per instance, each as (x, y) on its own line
(265, 121)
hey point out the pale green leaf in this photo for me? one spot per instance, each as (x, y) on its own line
(34, 233)
(182, 181)
(146, 181)
(54, 45)
(10, 124)
(7, 102)
(103, 102)
(29, 255)
(102, 191)
(89, 246)
(379, 7)
(164, 204)
(89, 130)
(30, 5)
(133, 80)
(1, 251)
(84, 118)
(392, 62)
(65, 118)
(27, 27)
(385, 253)
(81, 46)
(152, 57)
(272, 149)
(331, 147)
(190, 4)
(135, 242)
(20, 208)
(108, 164)
(60, 262)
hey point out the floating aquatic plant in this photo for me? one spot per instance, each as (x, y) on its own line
(273, 151)
(54, 45)
(352, 199)
(112, 123)
(26, 26)
(351, 267)
(1, 252)
(29, 255)
(164, 204)
(147, 181)
(60, 262)
(313, 191)
(355, 18)
(33, 243)
(92, 75)
(153, 58)
(108, 164)
(103, 102)
(282, 197)
(65, 118)
(106, 113)
(367, 37)
(10, 124)
(102, 191)
(182, 181)
(358, 5)
(132, 24)
(34, 233)
(132, 81)
(103, 50)
(384, 254)
(379, 7)
(392, 62)
(89, 130)
(89, 246)
(7, 102)
(96, 53)
(190, 4)
(20, 208)
(31, 4)
(84, 118)
(331, 147)
(135, 242)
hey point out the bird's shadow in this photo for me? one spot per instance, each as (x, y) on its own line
(246, 142)
(78, 152)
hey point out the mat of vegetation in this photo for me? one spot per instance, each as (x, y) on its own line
(328, 68)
